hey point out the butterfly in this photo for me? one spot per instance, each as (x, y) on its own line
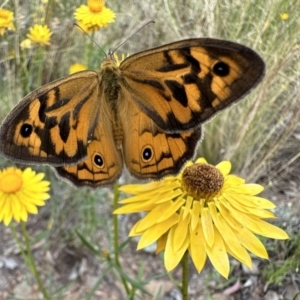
(146, 113)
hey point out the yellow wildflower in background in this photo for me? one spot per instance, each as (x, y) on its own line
(26, 44)
(118, 61)
(40, 34)
(6, 20)
(77, 67)
(284, 16)
(20, 193)
(94, 15)
(205, 211)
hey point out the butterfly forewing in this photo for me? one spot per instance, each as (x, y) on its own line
(183, 84)
(50, 124)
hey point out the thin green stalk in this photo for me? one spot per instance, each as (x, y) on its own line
(185, 276)
(39, 58)
(49, 6)
(31, 264)
(14, 232)
(116, 236)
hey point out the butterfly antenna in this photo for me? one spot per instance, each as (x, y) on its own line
(75, 24)
(144, 25)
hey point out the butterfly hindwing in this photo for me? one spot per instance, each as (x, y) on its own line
(103, 164)
(50, 124)
(183, 84)
(150, 152)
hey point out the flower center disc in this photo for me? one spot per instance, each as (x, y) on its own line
(95, 5)
(202, 180)
(11, 183)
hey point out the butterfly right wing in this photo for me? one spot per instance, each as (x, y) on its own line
(53, 123)
(183, 84)
(149, 151)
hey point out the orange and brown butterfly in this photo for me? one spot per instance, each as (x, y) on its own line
(146, 113)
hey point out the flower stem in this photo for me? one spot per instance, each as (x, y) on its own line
(185, 276)
(30, 262)
(116, 236)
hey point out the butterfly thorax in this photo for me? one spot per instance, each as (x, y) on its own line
(110, 75)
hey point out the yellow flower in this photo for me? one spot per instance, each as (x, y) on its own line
(20, 193)
(284, 16)
(6, 20)
(26, 44)
(40, 34)
(94, 15)
(118, 61)
(205, 211)
(76, 68)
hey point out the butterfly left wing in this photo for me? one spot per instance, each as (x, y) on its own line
(150, 152)
(182, 84)
(49, 125)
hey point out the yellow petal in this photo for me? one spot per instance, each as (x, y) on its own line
(251, 242)
(250, 201)
(175, 205)
(233, 180)
(153, 233)
(197, 248)
(195, 214)
(228, 234)
(248, 188)
(201, 160)
(181, 230)
(235, 201)
(144, 188)
(218, 255)
(161, 243)
(135, 207)
(259, 226)
(244, 256)
(207, 226)
(153, 216)
(172, 258)
(224, 167)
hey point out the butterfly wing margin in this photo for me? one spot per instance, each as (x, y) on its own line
(183, 84)
(148, 151)
(49, 125)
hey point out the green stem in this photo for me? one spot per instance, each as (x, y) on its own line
(49, 6)
(116, 236)
(30, 262)
(40, 61)
(185, 276)
(14, 232)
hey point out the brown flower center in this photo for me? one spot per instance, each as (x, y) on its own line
(11, 183)
(202, 180)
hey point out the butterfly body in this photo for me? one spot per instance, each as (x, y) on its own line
(146, 113)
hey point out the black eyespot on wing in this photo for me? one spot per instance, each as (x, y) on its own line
(147, 153)
(26, 130)
(98, 160)
(221, 69)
